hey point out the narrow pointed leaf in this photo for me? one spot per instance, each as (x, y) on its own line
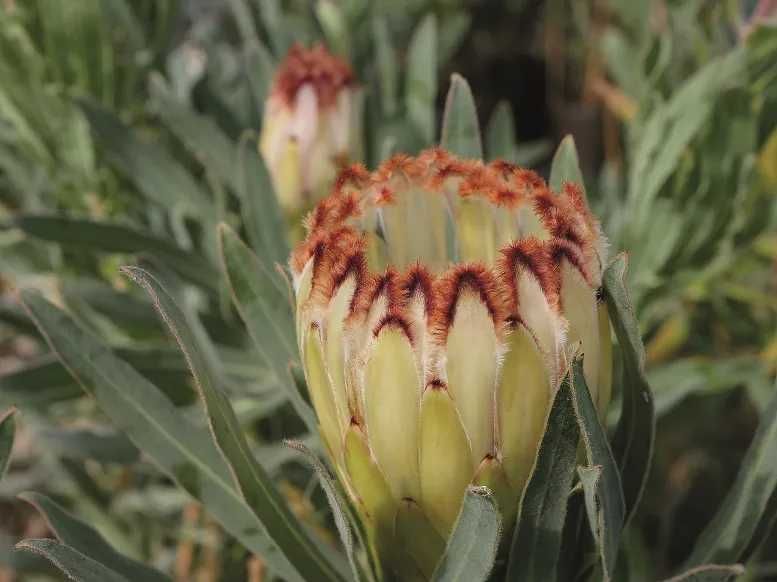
(565, 166)
(7, 433)
(44, 380)
(182, 450)
(333, 22)
(261, 297)
(113, 237)
(72, 563)
(601, 479)
(271, 15)
(589, 478)
(709, 573)
(259, 70)
(200, 134)
(387, 64)
(86, 443)
(261, 213)
(536, 543)
(745, 507)
(85, 539)
(460, 127)
(39, 383)
(764, 528)
(471, 550)
(156, 174)
(635, 434)
(252, 480)
(243, 17)
(266, 313)
(337, 505)
(491, 474)
(500, 133)
(421, 78)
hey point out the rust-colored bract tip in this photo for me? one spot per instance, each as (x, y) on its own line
(367, 213)
(563, 250)
(394, 321)
(326, 73)
(473, 278)
(418, 281)
(436, 384)
(533, 256)
(354, 176)
(383, 285)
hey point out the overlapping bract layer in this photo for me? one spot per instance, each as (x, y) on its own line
(309, 125)
(438, 303)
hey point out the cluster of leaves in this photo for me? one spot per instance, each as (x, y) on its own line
(161, 176)
(217, 465)
(690, 193)
(157, 132)
(686, 185)
(697, 211)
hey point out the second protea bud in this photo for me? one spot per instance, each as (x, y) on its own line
(439, 302)
(310, 125)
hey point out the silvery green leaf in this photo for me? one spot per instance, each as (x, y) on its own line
(749, 508)
(266, 312)
(421, 78)
(566, 166)
(460, 127)
(500, 133)
(114, 237)
(7, 433)
(339, 507)
(88, 541)
(633, 441)
(471, 550)
(157, 175)
(534, 553)
(601, 480)
(709, 573)
(299, 551)
(181, 449)
(72, 563)
(264, 222)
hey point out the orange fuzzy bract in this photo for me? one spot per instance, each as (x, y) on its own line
(338, 246)
(449, 288)
(396, 321)
(339, 257)
(386, 284)
(417, 280)
(325, 72)
(534, 256)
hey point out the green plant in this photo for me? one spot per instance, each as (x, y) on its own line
(163, 172)
(167, 171)
(684, 103)
(217, 466)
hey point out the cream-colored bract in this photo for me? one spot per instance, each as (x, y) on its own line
(442, 300)
(309, 125)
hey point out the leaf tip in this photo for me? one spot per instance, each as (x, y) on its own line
(480, 491)
(568, 141)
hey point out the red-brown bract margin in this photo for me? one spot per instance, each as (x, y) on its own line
(338, 247)
(325, 72)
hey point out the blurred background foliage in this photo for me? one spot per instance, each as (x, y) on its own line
(128, 132)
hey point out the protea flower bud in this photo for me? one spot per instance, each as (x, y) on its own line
(439, 302)
(309, 125)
